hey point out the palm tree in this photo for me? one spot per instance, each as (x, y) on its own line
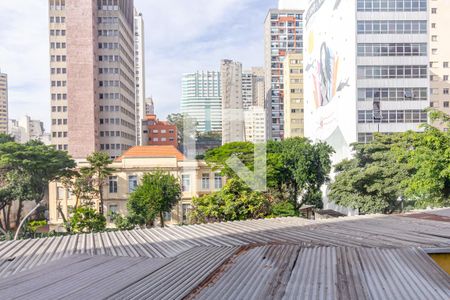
(100, 170)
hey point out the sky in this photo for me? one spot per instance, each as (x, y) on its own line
(181, 36)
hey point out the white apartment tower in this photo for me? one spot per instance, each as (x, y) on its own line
(283, 34)
(139, 70)
(232, 101)
(201, 100)
(366, 69)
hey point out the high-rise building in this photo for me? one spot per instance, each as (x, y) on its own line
(439, 56)
(139, 70)
(201, 100)
(232, 103)
(366, 70)
(255, 124)
(92, 76)
(259, 91)
(283, 34)
(3, 103)
(253, 92)
(149, 106)
(26, 129)
(293, 96)
(248, 83)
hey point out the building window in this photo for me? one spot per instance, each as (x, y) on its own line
(217, 181)
(132, 183)
(446, 104)
(205, 181)
(186, 182)
(445, 64)
(434, 10)
(445, 91)
(113, 184)
(60, 192)
(113, 209)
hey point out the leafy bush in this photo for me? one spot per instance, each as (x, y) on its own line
(86, 219)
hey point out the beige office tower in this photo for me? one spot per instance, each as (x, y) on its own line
(92, 76)
(439, 56)
(139, 69)
(3, 103)
(232, 104)
(293, 96)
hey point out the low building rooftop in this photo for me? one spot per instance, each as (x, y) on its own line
(361, 257)
(152, 151)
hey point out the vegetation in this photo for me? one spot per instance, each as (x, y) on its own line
(25, 171)
(236, 201)
(296, 170)
(93, 179)
(158, 193)
(371, 181)
(87, 219)
(396, 172)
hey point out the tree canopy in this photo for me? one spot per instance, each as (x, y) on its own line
(296, 167)
(371, 181)
(235, 201)
(397, 171)
(25, 171)
(157, 193)
(94, 177)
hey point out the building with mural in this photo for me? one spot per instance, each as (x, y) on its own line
(366, 69)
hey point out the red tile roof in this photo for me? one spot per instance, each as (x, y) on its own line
(152, 151)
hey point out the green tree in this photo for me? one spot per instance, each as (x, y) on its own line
(81, 185)
(87, 219)
(372, 181)
(427, 154)
(96, 175)
(236, 201)
(307, 167)
(25, 171)
(157, 193)
(296, 168)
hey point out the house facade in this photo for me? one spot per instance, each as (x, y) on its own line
(196, 179)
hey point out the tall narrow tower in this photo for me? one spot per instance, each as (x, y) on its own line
(139, 64)
(3, 103)
(92, 76)
(283, 34)
(232, 103)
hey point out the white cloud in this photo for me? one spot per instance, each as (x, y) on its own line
(24, 57)
(181, 36)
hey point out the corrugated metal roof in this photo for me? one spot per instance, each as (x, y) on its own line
(248, 272)
(292, 272)
(363, 231)
(79, 277)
